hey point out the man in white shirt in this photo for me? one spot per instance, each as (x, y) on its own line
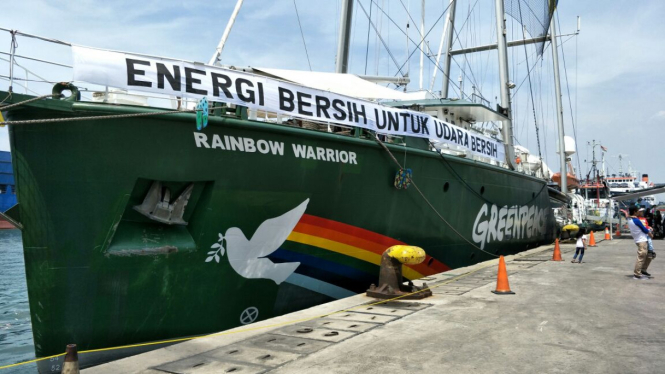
(640, 235)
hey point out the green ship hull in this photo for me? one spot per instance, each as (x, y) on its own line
(100, 273)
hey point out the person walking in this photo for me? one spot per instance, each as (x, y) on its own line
(640, 235)
(580, 246)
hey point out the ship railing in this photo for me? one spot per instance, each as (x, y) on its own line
(476, 98)
(30, 82)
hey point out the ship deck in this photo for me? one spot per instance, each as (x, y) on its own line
(590, 317)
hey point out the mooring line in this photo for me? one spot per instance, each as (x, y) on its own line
(258, 327)
(430, 204)
(26, 101)
(112, 116)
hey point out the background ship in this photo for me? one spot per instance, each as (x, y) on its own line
(603, 199)
(7, 189)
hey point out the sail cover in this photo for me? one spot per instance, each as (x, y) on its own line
(534, 15)
(344, 84)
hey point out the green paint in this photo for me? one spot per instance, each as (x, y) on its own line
(77, 183)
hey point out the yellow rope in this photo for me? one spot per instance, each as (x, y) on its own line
(251, 328)
(29, 362)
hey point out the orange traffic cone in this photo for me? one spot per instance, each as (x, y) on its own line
(502, 286)
(618, 233)
(592, 240)
(557, 252)
(607, 234)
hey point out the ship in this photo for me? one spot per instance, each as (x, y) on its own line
(142, 224)
(608, 197)
(7, 189)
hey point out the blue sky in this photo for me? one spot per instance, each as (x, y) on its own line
(615, 66)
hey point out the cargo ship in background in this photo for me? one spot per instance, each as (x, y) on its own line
(7, 189)
(143, 227)
(606, 197)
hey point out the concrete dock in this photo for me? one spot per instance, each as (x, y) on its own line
(565, 318)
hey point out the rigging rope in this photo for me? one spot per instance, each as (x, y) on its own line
(570, 104)
(538, 59)
(484, 74)
(418, 44)
(466, 59)
(539, 82)
(408, 13)
(377, 50)
(465, 21)
(380, 38)
(303, 35)
(368, 30)
(533, 104)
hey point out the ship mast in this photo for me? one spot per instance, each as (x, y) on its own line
(218, 52)
(344, 40)
(505, 85)
(422, 41)
(447, 34)
(559, 106)
(621, 156)
(594, 169)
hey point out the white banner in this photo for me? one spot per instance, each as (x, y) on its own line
(194, 81)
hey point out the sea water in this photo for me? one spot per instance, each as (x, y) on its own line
(16, 343)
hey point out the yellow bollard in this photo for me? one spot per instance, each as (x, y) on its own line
(390, 276)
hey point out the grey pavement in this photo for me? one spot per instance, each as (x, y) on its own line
(565, 318)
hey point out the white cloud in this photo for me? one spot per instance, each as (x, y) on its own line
(616, 40)
(658, 117)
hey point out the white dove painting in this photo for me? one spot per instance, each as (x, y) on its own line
(247, 257)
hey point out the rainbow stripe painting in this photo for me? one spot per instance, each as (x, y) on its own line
(341, 260)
